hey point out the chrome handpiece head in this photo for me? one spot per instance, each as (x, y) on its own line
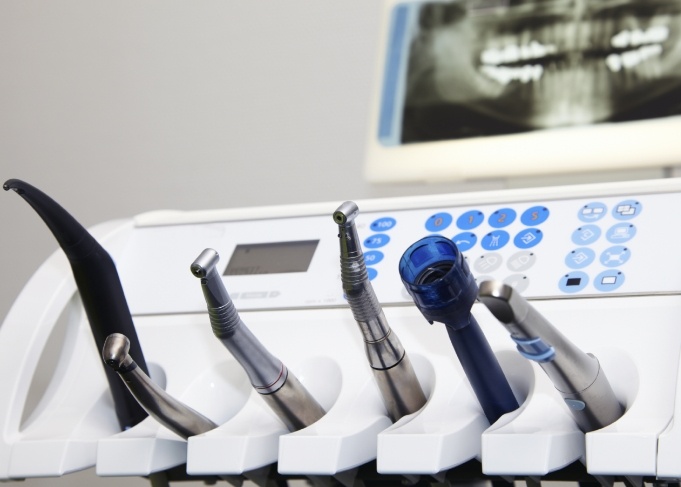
(160, 405)
(576, 375)
(401, 391)
(437, 277)
(98, 285)
(294, 405)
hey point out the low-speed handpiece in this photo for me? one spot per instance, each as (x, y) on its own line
(99, 287)
(394, 374)
(160, 405)
(576, 375)
(444, 290)
(282, 391)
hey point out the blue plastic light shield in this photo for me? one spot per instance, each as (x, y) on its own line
(437, 277)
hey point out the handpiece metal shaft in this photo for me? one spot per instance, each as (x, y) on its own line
(444, 290)
(167, 410)
(283, 392)
(577, 375)
(392, 369)
(98, 285)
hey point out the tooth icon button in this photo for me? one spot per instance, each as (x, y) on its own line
(521, 261)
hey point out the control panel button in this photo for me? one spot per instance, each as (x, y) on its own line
(580, 258)
(615, 256)
(573, 282)
(376, 241)
(521, 261)
(470, 220)
(534, 216)
(502, 218)
(465, 241)
(495, 240)
(528, 238)
(592, 212)
(586, 235)
(372, 273)
(518, 282)
(438, 222)
(620, 233)
(609, 280)
(488, 262)
(627, 209)
(373, 257)
(383, 224)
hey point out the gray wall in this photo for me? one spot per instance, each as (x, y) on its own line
(117, 108)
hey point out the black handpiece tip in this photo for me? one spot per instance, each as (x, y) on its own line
(12, 184)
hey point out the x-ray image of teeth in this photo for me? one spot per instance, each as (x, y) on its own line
(486, 67)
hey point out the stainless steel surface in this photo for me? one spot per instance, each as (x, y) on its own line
(397, 381)
(167, 410)
(294, 405)
(575, 374)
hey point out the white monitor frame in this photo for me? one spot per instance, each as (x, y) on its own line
(576, 149)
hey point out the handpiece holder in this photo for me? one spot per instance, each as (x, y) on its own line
(444, 290)
(575, 374)
(98, 285)
(281, 389)
(167, 410)
(400, 388)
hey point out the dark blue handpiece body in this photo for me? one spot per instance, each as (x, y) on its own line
(444, 290)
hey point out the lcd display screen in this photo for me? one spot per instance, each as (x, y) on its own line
(271, 258)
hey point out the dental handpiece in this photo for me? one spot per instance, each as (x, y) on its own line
(281, 389)
(98, 285)
(577, 375)
(160, 405)
(444, 290)
(401, 391)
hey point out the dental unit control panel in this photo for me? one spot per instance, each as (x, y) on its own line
(595, 267)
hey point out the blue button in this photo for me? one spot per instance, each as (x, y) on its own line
(592, 212)
(620, 233)
(528, 238)
(586, 235)
(470, 220)
(371, 273)
(438, 222)
(495, 240)
(573, 282)
(580, 258)
(609, 280)
(534, 216)
(383, 224)
(627, 209)
(376, 241)
(465, 241)
(615, 256)
(501, 218)
(373, 257)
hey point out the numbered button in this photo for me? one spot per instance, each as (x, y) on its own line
(438, 222)
(470, 220)
(383, 224)
(373, 257)
(501, 218)
(376, 241)
(534, 216)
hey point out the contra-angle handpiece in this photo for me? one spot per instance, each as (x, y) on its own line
(576, 375)
(394, 374)
(167, 410)
(281, 389)
(444, 290)
(98, 285)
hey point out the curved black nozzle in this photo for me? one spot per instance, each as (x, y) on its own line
(444, 290)
(98, 284)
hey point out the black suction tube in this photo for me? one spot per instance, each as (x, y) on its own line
(99, 287)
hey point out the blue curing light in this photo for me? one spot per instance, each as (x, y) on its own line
(444, 290)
